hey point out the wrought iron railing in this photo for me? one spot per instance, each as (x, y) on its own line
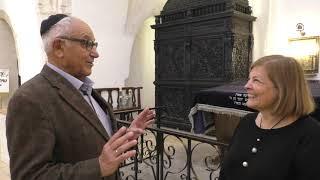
(169, 154)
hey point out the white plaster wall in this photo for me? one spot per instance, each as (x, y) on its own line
(260, 10)
(281, 24)
(107, 19)
(276, 23)
(284, 15)
(142, 64)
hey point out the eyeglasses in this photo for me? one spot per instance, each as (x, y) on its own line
(88, 44)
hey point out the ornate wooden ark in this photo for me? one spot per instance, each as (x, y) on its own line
(198, 44)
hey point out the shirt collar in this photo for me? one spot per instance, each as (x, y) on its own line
(74, 81)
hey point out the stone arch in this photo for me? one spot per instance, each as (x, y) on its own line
(49, 7)
(8, 58)
(141, 68)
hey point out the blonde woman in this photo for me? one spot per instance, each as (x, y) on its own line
(281, 140)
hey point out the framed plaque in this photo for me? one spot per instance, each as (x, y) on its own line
(306, 51)
(4, 80)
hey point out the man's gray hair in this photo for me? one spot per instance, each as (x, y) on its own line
(61, 28)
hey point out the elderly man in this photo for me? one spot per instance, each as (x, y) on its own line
(58, 128)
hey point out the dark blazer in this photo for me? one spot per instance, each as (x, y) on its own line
(53, 133)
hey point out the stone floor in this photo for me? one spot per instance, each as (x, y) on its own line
(177, 163)
(4, 171)
(176, 159)
(4, 168)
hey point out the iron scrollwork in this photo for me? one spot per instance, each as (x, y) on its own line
(175, 155)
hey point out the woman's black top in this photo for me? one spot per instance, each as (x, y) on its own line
(288, 153)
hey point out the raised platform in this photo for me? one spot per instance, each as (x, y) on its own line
(234, 95)
(230, 100)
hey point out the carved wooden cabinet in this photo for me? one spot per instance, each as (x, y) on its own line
(198, 44)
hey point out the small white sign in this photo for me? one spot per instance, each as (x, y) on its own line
(4, 80)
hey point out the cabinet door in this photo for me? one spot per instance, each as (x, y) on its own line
(171, 77)
(174, 98)
(207, 58)
(171, 60)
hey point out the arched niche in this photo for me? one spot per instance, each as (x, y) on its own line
(141, 70)
(8, 59)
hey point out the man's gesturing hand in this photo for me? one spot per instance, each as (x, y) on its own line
(139, 124)
(115, 151)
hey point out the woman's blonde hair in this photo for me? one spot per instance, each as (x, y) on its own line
(294, 97)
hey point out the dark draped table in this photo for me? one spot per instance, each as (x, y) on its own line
(234, 96)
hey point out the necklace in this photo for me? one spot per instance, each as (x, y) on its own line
(278, 122)
(263, 135)
(257, 145)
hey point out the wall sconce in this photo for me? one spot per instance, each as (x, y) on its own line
(306, 51)
(300, 28)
